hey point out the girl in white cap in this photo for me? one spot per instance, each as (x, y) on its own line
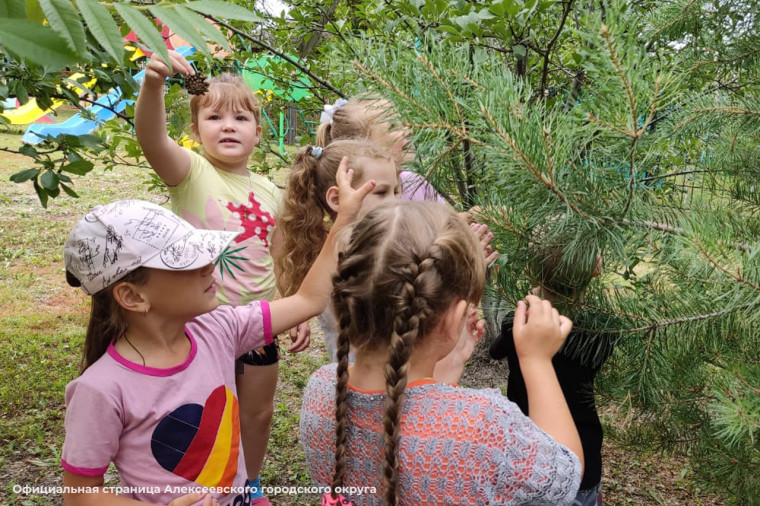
(157, 396)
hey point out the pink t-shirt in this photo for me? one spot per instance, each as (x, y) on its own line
(172, 430)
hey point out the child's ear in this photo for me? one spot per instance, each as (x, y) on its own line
(454, 319)
(130, 297)
(194, 132)
(331, 197)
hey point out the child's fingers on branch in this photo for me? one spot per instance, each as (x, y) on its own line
(158, 68)
(539, 329)
(485, 236)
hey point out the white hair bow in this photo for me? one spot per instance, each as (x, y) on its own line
(329, 110)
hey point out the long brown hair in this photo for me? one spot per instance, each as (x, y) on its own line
(306, 217)
(107, 322)
(405, 264)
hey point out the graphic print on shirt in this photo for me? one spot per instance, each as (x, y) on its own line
(201, 443)
(242, 266)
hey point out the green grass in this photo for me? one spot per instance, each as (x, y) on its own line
(42, 323)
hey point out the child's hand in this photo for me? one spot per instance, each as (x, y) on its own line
(189, 499)
(539, 330)
(350, 200)
(157, 70)
(485, 236)
(300, 337)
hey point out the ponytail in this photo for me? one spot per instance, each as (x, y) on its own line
(306, 216)
(324, 134)
(107, 322)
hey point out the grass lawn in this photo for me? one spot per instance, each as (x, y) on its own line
(42, 322)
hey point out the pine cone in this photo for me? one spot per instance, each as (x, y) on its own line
(196, 84)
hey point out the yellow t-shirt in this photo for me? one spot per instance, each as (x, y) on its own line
(215, 199)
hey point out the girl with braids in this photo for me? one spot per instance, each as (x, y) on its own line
(404, 284)
(311, 203)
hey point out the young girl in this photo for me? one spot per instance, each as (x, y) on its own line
(157, 396)
(374, 119)
(402, 289)
(311, 204)
(217, 191)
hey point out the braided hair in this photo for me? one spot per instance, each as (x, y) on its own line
(404, 266)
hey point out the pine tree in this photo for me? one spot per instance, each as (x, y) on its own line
(609, 163)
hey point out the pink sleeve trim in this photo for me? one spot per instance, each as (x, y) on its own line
(84, 471)
(267, 322)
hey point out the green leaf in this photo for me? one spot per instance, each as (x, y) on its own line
(49, 180)
(224, 10)
(36, 43)
(519, 50)
(146, 31)
(42, 194)
(64, 19)
(207, 29)
(91, 141)
(21, 94)
(28, 150)
(80, 167)
(15, 9)
(181, 26)
(69, 191)
(34, 12)
(103, 27)
(25, 175)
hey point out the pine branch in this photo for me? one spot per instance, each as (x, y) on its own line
(475, 84)
(675, 19)
(619, 71)
(529, 163)
(704, 63)
(664, 227)
(685, 319)
(393, 89)
(430, 68)
(731, 110)
(737, 276)
(591, 117)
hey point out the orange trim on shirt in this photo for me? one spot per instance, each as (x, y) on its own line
(419, 382)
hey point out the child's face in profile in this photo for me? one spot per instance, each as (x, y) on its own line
(385, 175)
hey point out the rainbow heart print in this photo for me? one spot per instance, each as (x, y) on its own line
(201, 443)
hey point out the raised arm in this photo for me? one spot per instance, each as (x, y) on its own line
(314, 293)
(167, 158)
(539, 333)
